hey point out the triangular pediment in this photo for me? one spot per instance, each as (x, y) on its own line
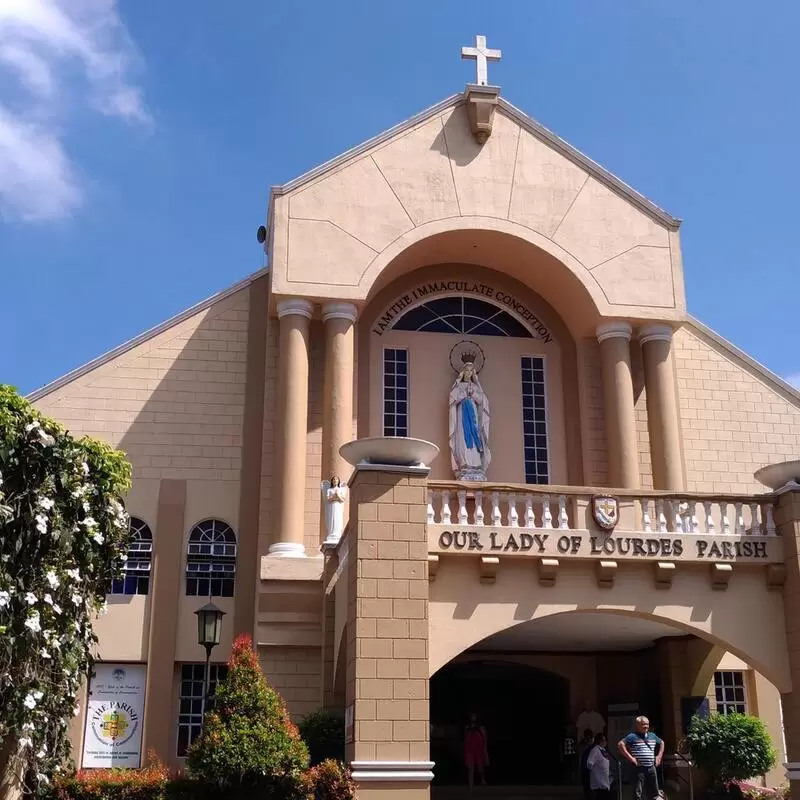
(339, 224)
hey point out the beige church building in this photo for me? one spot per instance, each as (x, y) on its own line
(546, 502)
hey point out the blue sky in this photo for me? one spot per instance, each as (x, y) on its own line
(138, 141)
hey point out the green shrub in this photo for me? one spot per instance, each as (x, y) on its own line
(731, 747)
(323, 732)
(149, 783)
(248, 744)
(331, 780)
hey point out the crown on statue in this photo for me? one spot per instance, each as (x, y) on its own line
(468, 357)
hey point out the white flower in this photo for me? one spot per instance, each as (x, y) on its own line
(98, 537)
(52, 579)
(43, 752)
(76, 712)
(5, 599)
(44, 654)
(48, 599)
(85, 468)
(76, 625)
(41, 523)
(32, 426)
(89, 523)
(29, 702)
(32, 623)
(57, 608)
(42, 778)
(77, 599)
(46, 503)
(103, 610)
(74, 574)
(25, 742)
(28, 726)
(30, 598)
(37, 696)
(46, 439)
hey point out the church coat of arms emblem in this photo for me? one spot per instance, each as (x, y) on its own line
(605, 512)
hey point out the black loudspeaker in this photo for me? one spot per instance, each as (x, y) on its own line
(693, 707)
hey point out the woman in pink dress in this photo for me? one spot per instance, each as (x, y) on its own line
(476, 750)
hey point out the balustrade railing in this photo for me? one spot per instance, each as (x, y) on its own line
(568, 508)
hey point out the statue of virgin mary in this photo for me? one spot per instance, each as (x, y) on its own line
(469, 426)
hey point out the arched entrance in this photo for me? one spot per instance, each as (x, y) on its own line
(524, 710)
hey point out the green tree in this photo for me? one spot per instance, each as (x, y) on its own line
(63, 536)
(731, 747)
(248, 744)
(323, 733)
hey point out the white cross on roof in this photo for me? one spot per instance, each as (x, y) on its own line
(482, 55)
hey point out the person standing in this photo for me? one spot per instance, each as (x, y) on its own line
(586, 746)
(476, 751)
(599, 766)
(644, 750)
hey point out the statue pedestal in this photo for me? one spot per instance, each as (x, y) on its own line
(471, 474)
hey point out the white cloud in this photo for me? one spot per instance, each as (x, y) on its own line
(793, 380)
(61, 55)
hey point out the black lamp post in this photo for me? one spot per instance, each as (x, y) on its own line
(209, 627)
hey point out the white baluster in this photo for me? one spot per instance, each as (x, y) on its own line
(676, 515)
(445, 507)
(513, 517)
(662, 520)
(709, 517)
(496, 519)
(463, 517)
(693, 521)
(563, 517)
(726, 523)
(430, 514)
(755, 525)
(530, 519)
(771, 529)
(739, 530)
(479, 508)
(547, 516)
(647, 526)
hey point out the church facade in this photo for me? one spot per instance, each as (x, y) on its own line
(459, 447)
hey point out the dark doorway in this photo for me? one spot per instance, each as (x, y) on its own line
(524, 710)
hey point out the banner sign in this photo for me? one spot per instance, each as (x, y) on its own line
(554, 543)
(113, 731)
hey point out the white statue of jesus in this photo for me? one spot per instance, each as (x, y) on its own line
(334, 496)
(469, 426)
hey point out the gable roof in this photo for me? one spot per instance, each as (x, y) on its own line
(525, 121)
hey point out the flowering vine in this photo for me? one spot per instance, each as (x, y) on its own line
(63, 537)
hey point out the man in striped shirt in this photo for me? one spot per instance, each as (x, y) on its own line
(644, 750)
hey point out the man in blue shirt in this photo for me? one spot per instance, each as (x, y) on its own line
(644, 750)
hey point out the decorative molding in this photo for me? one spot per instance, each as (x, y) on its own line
(481, 104)
(392, 771)
(775, 576)
(287, 550)
(614, 330)
(664, 572)
(655, 333)
(721, 576)
(489, 567)
(606, 572)
(346, 311)
(295, 306)
(433, 567)
(417, 470)
(548, 571)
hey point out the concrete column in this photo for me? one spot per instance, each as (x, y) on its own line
(292, 425)
(615, 354)
(787, 521)
(662, 407)
(387, 635)
(337, 424)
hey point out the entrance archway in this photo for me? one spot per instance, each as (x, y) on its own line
(523, 708)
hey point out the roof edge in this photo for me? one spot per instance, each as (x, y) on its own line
(767, 374)
(592, 167)
(143, 337)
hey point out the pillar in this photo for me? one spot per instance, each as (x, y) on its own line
(387, 635)
(292, 425)
(337, 425)
(662, 407)
(615, 355)
(787, 521)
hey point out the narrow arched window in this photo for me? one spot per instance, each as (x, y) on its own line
(211, 560)
(135, 577)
